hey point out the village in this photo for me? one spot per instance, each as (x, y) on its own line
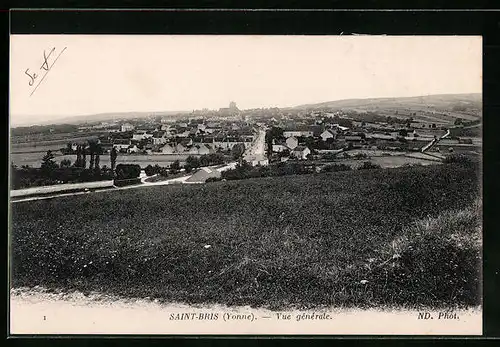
(310, 135)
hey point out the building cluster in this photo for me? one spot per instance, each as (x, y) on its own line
(192, 136)
(327, 132)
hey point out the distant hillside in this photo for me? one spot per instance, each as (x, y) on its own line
(40, 120)
(442, 108)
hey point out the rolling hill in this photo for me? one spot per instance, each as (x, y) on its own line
(444, 108)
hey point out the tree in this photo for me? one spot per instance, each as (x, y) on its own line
(92, 154)
(175, 166)
(193, 161)
(112, 155)
(98, 156)
(458, 121)
(149, 170)
(127, 171)
(48, 162)
(78, 161)
(238, 150)
(84, 156)
(403, 132)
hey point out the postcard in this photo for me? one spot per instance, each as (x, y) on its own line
(245, 184)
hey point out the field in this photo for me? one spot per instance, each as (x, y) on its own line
(441, 109)
(372, 238)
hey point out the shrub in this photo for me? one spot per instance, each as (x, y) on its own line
(457, 158)
(127, 171)
(150, 170)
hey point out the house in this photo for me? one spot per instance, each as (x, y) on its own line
(133, 149)
(353, 138)
(261, 162)
(200, 149)
(141, 135)
(194, 149)
(292, 142)
(148, 149)
(180, 148)
(159, 138)
(120, 144)
(184, 132)
(279, 148)
(127, 127)
(377, 136)
(167, 149)
(298, 132)
(317, 130)
(328, 134)
(106, 147)
(210, 130)
(301, 152)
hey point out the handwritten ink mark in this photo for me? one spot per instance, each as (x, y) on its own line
(48, 69)
(32, 77)
(45, 64)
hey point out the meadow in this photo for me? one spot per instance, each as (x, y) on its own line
(406, 237)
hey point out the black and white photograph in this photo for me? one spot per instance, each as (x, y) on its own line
(245, 184)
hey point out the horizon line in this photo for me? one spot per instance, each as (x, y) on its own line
(251, 108)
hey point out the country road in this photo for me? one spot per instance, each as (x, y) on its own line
(105, 186)
(434, 142)
(258, 149)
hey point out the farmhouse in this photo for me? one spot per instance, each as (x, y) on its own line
(201, 149)
(279, 148)
(159, 138)
(127, 127)
(180, 148)
(328, 134)
(354, 138)
(378, 136)
(292, 142)
(167, 149)
(120, 144)
(301, 152)
(133, 149)
(298, 132)
(141, 135)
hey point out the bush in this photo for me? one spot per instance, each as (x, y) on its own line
(457, 158)
(150, 170)
(368, 165)
(31, 177)
(127, 171)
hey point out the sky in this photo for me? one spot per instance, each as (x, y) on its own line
(121, 73)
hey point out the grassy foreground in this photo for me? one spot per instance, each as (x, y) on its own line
(363, 238)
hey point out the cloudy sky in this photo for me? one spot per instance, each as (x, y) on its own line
(107, 73)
